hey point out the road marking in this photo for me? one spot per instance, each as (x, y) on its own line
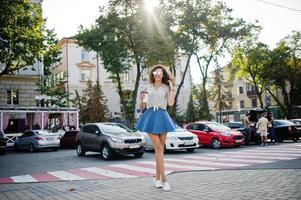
(23, 178)
(66, 176)
(104, 172)
(206, 163)
(226, 159)
(182, 166)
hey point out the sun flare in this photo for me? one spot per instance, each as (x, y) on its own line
(150, 5)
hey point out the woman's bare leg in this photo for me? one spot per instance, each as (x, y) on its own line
(159, 150)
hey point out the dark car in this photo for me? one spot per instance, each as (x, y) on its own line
(252, 136)
(2, 143)
(68, 140)
(109, 139)
(286, 130)
(295, 121)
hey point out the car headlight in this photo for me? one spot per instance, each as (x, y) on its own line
(225, 134)
(172, 138)
(118, 140)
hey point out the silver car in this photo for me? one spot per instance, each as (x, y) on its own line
(109, 139)
(37, 139)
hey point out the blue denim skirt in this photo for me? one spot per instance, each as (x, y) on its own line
(155, 121)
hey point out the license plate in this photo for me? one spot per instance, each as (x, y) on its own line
(49, 139)
(188, 143)
(238, 140)
(134, 146)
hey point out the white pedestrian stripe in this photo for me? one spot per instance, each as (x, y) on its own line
(181, 166)
(63, 175)
(137, 168)
(23, 179)
(227, 159)
(263, 155)
(108, 173)
(216, 164)
(245, 155)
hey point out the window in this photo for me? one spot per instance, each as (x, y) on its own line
(12, 97)
(241, 90)
(254, 103)
(85, 55)
(230, 105)
(242, 104)
(85, 74)
(125, 76)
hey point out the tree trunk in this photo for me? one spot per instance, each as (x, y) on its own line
(174, 107)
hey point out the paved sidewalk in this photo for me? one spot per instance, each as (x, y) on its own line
(224, 184)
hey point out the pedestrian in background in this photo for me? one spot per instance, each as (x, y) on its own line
(155, 120)
(271, 129)
(262, 126)
(247, 126)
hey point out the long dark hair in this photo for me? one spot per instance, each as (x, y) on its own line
(166, 75)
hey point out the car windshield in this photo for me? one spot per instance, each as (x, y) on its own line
(112, 128)
(284, 122)
(216, 126)
(178, 129)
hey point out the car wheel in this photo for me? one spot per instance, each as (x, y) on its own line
(106, 152)
(138, 155)
(190, 150)
(79, 150)
(31, 148)
(216, 144)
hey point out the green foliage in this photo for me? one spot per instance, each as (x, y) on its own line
(23, 36)
(191, 110)
(56, 89)
(92, 104)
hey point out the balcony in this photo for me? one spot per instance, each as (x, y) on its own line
(252, 93)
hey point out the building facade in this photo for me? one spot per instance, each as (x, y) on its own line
(81, 66)
(240, 98)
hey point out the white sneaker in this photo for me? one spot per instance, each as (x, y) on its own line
(166, 186)
(157, 183)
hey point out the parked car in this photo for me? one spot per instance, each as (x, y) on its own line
(295, 121)
(68, 140)
(252, 136)
(286, 130)
(109, 139)
(37, 139)
(2, 143)
(215, 134)
(176, 140)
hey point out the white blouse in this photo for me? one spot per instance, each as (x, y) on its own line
(157, 97)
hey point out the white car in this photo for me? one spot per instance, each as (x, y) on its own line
(176, 140)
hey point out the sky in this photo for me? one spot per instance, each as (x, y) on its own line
(65, 16)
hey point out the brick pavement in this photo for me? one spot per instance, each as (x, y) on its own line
(258, 184)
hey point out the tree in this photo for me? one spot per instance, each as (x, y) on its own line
(249, 61)
(284, 72)
(220, 32)
(191, 111)
(124, 40)
(56, 89)
(23, 36)
(219, 92)
(92, 104)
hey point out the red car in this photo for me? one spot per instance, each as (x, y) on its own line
(215, 134)
(69, 139)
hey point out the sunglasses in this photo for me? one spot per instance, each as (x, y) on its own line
(157, 73)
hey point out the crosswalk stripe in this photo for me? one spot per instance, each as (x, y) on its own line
(126, 171)
(63, 175)
(182, 166)
(272, 152)
(226, 159)
(136, 168)
(280, 156)
(254, 157)
(99, 170)
(168, 168)
(208, 163)
(23, 178)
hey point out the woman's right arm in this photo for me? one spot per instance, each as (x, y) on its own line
(142, 104)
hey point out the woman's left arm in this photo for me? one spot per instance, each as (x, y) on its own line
(170, 94)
